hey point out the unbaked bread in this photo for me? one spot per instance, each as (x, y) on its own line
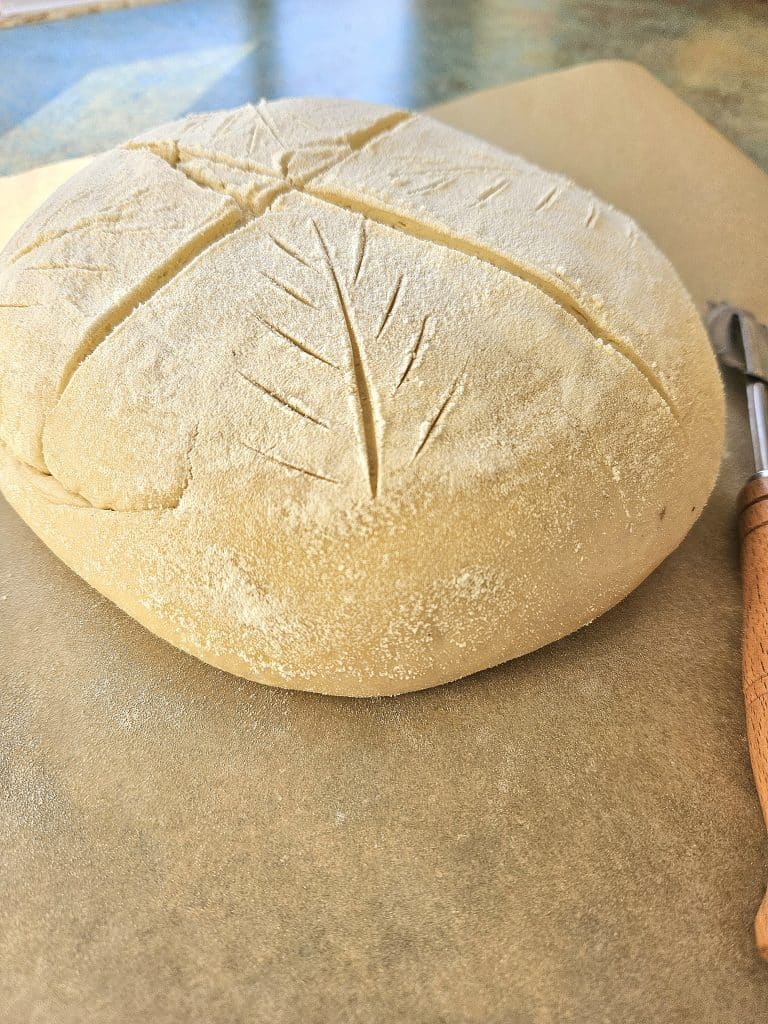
(340, 399)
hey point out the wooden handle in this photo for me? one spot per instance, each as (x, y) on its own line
(753, 520)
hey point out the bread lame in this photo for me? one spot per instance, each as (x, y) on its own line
(741, 343)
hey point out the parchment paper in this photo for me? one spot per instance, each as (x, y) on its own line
(570, 837)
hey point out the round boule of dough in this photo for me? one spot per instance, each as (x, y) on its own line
(337, 398)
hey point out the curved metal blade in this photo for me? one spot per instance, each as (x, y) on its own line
(739, 339)
(741, 342)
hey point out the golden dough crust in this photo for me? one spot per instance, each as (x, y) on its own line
(337, 398)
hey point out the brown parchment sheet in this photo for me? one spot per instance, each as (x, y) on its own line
(571, 837)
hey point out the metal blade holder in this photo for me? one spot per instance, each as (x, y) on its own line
(741, 342)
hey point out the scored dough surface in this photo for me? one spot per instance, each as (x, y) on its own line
(338, 398)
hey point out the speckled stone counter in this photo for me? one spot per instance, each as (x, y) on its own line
(77, 86)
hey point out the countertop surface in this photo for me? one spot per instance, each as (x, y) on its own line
(80, 85)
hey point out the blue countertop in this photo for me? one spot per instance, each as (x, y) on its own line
(82, 84)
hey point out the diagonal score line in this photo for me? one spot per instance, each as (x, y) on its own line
(417, 229)
(362, 386)
(104, 325)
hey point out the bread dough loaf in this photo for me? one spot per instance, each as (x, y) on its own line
(340, 399)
